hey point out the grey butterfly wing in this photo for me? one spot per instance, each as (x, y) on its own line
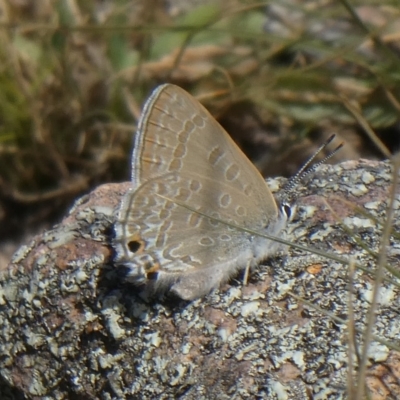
(183, 157)
(177, 133)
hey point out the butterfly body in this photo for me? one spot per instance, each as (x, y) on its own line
(185, 224)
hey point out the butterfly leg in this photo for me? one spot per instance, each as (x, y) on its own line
(246, 273)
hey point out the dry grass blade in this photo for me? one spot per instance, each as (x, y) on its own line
(352, 347)
(364, 124)
(382, 257)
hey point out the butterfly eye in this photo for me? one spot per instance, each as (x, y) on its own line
(287, 210)
(134, 246)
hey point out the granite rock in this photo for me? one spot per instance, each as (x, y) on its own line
(71, 327)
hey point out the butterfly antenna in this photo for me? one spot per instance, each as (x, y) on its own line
(306, 169)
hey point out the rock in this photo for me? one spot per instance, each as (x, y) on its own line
(71, 327)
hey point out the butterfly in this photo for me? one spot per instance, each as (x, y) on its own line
(187, 224)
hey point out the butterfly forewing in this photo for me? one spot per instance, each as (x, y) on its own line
(176, 133)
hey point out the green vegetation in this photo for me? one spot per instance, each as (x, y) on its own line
(74, 75)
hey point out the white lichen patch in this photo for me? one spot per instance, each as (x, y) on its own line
(253, 295)
(356, 222)
(2, 296)
(232, 294)
(36, 387)
(53, 347)
(278, 390)
(378, 352)
(372, 205)
(284, 287)
(90, 316)
(250, 307)
(27, 296)
(358, 190)
(386, 295)
(308, 211)
(10, 292)
(69, 287)
(22, 253)
(80, 276)
(60, 239)
(326, 392)
(104, 210)
(321, 234)
(245, 350)
(113, 326)
(154, 339)
(185, 349)
(107, 361)
(224, 334)
(338, 359)
(34, 340)
(394, 329)
(298, 359)
(160, 364)
(367, 177)
(180, 373)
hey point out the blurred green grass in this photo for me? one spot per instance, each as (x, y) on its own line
(74, 75)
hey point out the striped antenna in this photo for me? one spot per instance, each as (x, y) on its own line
(306, 169)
